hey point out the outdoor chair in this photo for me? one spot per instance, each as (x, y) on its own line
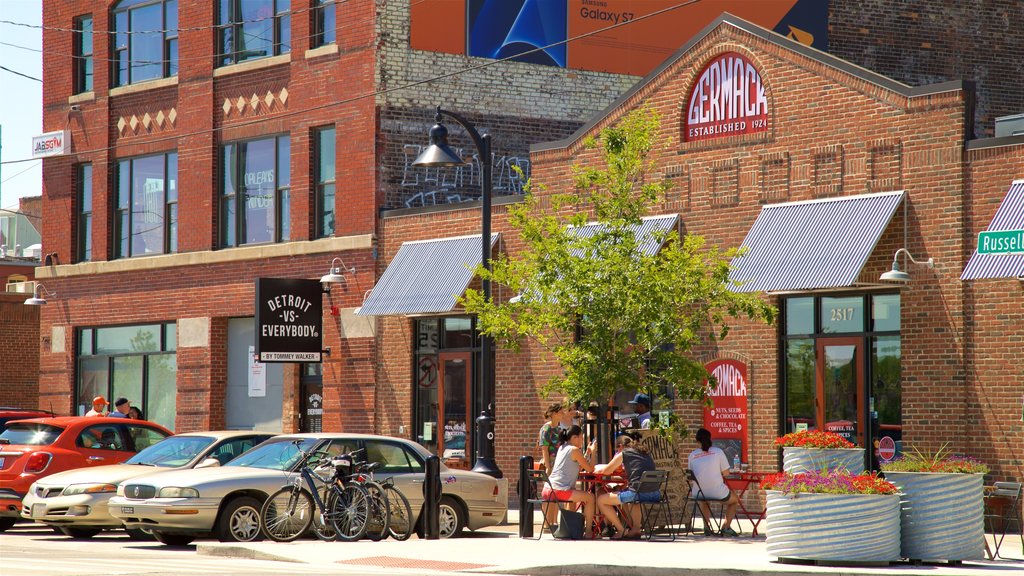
(696, 495)
(538, 479)
(1002, 513)
(652, 512)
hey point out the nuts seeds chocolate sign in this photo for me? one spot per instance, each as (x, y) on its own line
(289, 320)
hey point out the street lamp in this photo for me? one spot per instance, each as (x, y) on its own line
(439, 154)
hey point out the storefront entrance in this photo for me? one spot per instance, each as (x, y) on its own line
(839, 386)
(311, 394)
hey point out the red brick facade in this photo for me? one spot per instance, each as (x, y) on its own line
(19, 351)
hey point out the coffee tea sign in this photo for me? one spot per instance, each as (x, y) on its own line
(289, 320)
(728, 99)
(727, 416)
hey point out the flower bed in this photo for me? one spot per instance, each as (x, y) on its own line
(809, 450)
(814, 439)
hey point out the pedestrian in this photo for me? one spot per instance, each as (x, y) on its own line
(99, 407)
(642, 406)
(135, 414)
(548, 440)
(710, 465)
(635, 460)
(121, 408)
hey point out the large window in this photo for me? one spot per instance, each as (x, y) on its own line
(146, 216)
(255, 192)
(137, 362)
(325, 182)
(84, 183)
(250, 29)
(145, 40)
(83, 54)
(323, 22)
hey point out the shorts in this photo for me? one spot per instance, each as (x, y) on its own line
(550, 493)
(629, 496)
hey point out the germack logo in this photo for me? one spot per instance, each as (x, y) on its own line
(728, 99)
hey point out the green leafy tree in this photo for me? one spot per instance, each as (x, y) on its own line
(616, 316)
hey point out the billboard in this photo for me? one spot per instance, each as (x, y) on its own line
(289, 320)
(619, 36)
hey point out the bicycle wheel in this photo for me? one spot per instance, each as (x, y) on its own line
(323, 525)
(286, 514)
(377, 525)
(350, 512)
(400, 523)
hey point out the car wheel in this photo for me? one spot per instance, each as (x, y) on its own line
(138, 534)
(173, 539)
(6, 523)
(239, 521)
(83, 533)
(452, 518)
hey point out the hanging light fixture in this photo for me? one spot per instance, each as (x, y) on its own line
(37, 298)
(897, 273)
(335, 274)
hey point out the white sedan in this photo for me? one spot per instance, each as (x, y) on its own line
(179, 506)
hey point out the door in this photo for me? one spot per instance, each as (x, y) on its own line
(311, 405)
(839, 402)
(455, 376)
(255, 392)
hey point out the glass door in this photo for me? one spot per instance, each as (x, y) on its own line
(455, 376)
(839, 402)
(311, 405)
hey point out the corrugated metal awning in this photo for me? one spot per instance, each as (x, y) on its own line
(1010, 216)
(650, 233)
(812, 244)
(425, 277)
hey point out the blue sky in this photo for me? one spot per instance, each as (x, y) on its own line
(21, 111)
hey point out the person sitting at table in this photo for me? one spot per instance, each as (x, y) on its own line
(562, 481)
(710, 466)
(635, 460)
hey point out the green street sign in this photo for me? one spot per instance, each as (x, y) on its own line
(1001, 242)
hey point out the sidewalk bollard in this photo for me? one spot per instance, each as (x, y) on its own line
(432, 499)
(526, 489)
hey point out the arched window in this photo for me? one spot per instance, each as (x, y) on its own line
(146, 40)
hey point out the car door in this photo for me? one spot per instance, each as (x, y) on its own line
(400, 463)
(102, 444)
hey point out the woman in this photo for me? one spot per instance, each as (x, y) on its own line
(562, 481)
(710, 465)
(135, 414)
(635, 460)
(549, 438)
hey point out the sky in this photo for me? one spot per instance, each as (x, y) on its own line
(21, 110)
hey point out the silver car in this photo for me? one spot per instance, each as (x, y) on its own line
(76, 501)
(179, 506)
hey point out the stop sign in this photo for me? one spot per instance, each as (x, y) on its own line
(886, 448)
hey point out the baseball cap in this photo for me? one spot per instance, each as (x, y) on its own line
(121, 401)
(641, 399)
(99, 400)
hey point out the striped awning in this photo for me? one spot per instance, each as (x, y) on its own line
(812, 244)
(425, 277)
(650, 233)
(1010, 216)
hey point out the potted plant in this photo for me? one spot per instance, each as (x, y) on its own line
(808, 450)
(832, 516)
(942, 505)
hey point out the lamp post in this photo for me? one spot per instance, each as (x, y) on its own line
(439, 154)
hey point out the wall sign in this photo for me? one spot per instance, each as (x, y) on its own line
(289, 320)
(727, 417)
(51, 144)
(257, 376)
(728, 99)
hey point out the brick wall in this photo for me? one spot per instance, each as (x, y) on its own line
(19, 352)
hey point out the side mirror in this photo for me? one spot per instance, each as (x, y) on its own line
(208, 463)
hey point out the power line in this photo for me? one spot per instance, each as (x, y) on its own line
(6, 69)
(20, 173)
(376, 93)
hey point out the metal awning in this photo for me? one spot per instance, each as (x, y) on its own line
(650, 233)
(425, 277)
(812, 244)
(1010, 216)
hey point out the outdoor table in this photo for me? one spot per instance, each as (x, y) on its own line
(741, 482)
(610, 482)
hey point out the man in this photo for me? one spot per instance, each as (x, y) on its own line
(710, 466)
(642, 406)
(121, 408)
(99, 406)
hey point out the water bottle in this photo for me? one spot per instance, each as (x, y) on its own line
(736, 463)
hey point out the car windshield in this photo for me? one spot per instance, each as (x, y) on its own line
(31, 434)
(274, 455)
(173, 452)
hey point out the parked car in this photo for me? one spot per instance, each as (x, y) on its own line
(8, 414)
(179, 506)
(35, 448)
(75, 501)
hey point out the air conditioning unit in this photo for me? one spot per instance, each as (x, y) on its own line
(27, 287)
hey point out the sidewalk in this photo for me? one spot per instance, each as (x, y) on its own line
(499, 550)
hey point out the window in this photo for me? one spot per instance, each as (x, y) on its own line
(143, 437)
(251, 29)
(84, 179)
(323, 22)
(145, 40)
(254, 192)
(325, 182)
(103, 437)
(83, 54)
(393, 458)
(146, 215)
(138, 362)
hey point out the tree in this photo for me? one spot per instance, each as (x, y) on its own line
(616, 316)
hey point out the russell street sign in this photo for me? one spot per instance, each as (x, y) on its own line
(1001, 242)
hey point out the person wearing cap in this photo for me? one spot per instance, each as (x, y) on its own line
(642, 405)
(121, 408)
(99, 407)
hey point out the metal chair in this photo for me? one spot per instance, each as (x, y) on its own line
(651, 512)
(696, 495)
(537, 498)
(1008, 513)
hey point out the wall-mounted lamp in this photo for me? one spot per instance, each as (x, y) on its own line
(37, 298)
(334, 274)
(897, 274)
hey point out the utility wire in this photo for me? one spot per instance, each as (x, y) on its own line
(12, 177)
(376, 93)
(6, 69)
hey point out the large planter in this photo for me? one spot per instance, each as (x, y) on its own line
(857, 528)
(796, 460)
(942, 515)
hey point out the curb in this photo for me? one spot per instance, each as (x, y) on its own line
(241, 552)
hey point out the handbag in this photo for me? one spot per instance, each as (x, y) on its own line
(570, 525)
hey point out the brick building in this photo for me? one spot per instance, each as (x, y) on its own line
(211, 149)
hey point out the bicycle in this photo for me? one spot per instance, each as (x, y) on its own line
(380, 511)
(288, 513)
(396, 521)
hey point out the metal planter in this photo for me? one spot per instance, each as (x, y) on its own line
(942, 515)
(859, 528)
(796, 460)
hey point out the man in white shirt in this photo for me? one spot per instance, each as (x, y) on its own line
(710, 465)
(99, 407)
